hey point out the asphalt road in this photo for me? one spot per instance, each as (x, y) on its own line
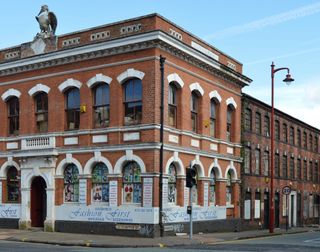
(293, 242)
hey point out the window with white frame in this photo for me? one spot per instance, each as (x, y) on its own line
(194, 106)
(41, 111)
(132, 188)
(213, 117)
(100, 183)
(172, 105)
(132, 101)
(71, 183)
(172, 184)
(73, 108)
(13, 185)
(229, 189)
(13, 115)
(194, 190)
(101, 105)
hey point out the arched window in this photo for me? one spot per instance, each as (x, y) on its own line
(101, 105)
(213, 117)
(194, 106)
(132, 183)
(41, 111)
(212, 193)
(13, 188)
(100, 183)
(172, 104)
(13, 115)
(229, 122)
(73, 108)
(172, 186)
(133, 102)
(71, 183)
(229, 189)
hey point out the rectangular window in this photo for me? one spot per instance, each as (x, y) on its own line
(247, 160)
(276, 165)
(305, 170)
(292, 168)
(247, 119)
(310, 142)
(291, 140)
(299, 173)
(284, 167)
(316, 173)
(266, 163)
(285, 133)
(310, 171)
(304, 140)
(266, 126)
(258, 123)
(277, 130)
(316, 143)
(299, 137)
(257, 159)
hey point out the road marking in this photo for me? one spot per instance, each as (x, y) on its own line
(317, 240)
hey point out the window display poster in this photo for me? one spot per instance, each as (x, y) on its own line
(257, 209)
(205, 194)
(82, 191)
(186, 196)
(113, 189)
(164, 191)
(147, 192)
(247, 209)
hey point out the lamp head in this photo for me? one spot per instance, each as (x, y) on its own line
(288, 79)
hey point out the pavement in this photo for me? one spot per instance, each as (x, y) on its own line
(109, 241)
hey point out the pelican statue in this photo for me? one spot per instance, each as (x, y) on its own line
(47, 21)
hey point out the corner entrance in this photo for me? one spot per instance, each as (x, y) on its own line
(38, 202)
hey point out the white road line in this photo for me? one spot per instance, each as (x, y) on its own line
(317, 240)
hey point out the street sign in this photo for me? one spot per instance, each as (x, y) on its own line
(286, 190)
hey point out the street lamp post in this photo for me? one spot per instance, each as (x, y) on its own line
(287, 80)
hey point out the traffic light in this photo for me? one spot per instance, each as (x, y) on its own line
(191, 178)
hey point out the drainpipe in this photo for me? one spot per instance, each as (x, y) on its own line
(162, 60)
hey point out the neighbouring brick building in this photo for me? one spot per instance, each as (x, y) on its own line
(80, 131)
(296, 164)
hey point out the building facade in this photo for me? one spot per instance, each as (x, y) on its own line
(296, 164)
(81, 123)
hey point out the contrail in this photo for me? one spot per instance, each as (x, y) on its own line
(304, 11)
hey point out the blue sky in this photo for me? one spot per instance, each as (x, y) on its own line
(255, 32)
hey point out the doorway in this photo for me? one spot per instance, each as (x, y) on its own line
(266, 210)
(38, 202)
(277, 210)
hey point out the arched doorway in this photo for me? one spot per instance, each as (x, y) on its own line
(38, 202)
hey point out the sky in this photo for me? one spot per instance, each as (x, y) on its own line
(254, 32)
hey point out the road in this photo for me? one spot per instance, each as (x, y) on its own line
(293, 242)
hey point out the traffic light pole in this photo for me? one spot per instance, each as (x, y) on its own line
(190, 204)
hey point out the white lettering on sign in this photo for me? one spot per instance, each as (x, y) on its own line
(10, 211)
(113, 190)
(122, 214)
(179, 214)
(147, 192)
(82, 191)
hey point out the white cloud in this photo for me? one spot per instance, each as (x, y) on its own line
(268, 21)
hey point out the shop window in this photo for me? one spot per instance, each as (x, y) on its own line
(41, 111)
(101, 105)
(71, 183)
(229, 189)
(132, 183)
(194, 105)
(13, 185)
(132, 102)
(172, 105)
(247, 160)
(73, 108)
(247, 206)
(213, 118)
(100, 183)
(13, 115)
(212, 193)
(172, 184)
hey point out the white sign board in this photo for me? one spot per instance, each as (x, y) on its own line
(94, 213)
(164, 191)
(186, 196)
(179, 214)
(113, 190)
(82, 191)
(10, 211)
(147, 192)
(247, 209)
(205, 194)
(257, 209)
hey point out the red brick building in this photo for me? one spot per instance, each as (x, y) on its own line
(80, 135)
(296, 165)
